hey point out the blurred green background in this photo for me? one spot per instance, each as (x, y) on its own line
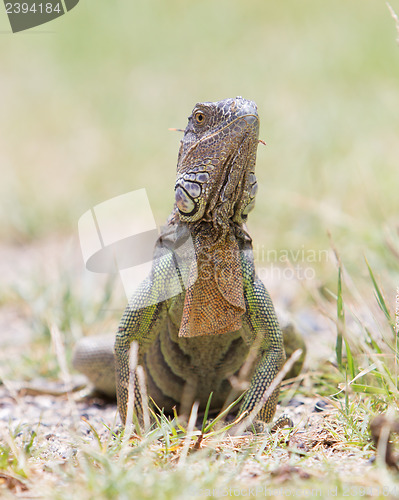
(87, 100)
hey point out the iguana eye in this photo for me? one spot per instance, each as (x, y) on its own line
(199, 117)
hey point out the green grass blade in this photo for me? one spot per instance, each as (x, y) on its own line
(380, 298)
(372, 343)
(223, 414)
(341, 320)
(368, 389)
(351, 363)
(208, 404)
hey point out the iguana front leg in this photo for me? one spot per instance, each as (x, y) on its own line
(261, 329)
(144, 317)
(139, 325)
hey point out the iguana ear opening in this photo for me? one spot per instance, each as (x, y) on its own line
(184, 202)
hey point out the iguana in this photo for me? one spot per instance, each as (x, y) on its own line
(200, 310)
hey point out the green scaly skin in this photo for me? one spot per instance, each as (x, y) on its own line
(192, 343)
(202, 364)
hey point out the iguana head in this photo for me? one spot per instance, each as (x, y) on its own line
(215, 189)
(215, 172)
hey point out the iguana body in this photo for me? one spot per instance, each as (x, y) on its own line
(193, 342)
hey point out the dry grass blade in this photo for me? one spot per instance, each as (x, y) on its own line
(12, 483)
(65, 374)
(324, 432)
(144, 398)
(359, 375)
(395, 18)
(187, 439)
(133, 357)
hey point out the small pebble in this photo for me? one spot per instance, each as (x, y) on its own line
(321, 406)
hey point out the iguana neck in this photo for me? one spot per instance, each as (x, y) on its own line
(214, 300)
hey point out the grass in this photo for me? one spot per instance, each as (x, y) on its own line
(85, 115)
